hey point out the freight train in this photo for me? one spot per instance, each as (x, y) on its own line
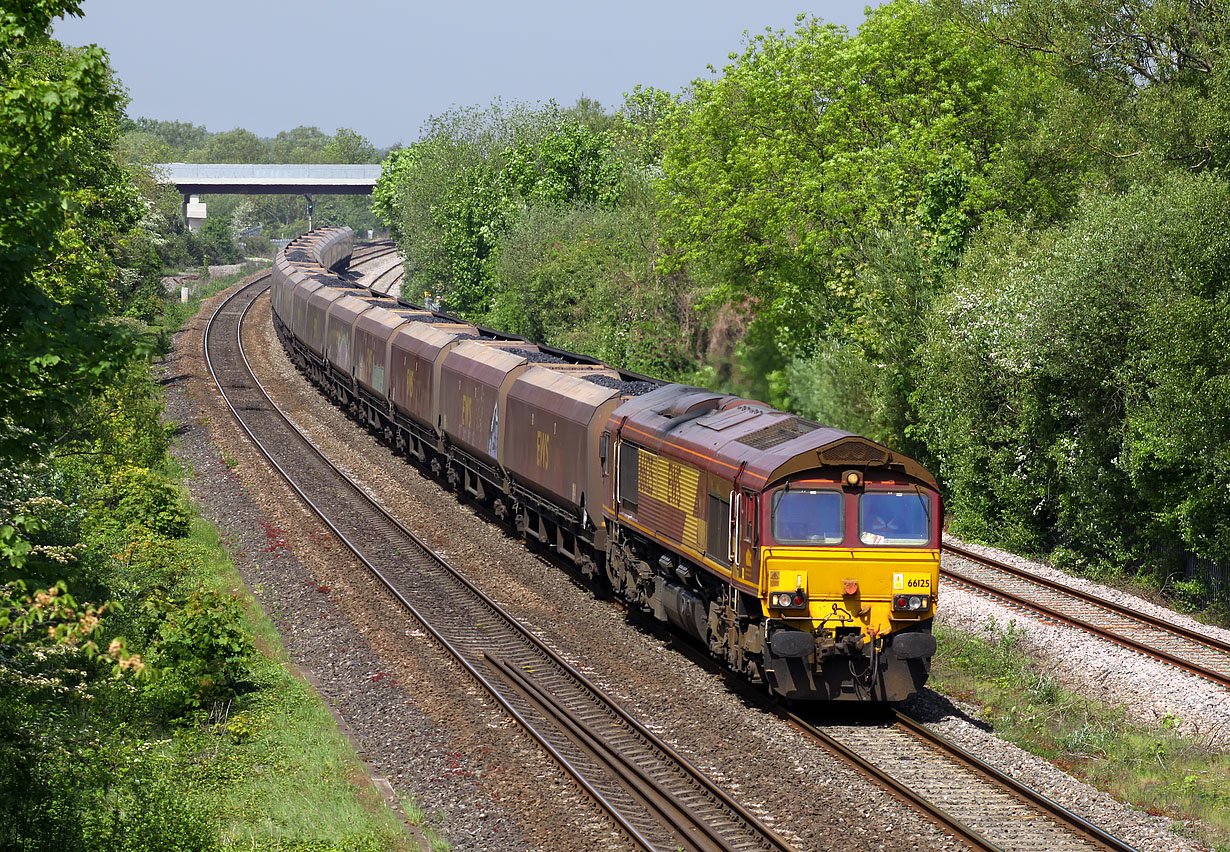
(806, 558)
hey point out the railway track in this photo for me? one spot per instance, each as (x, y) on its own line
(656, 798)
(978, 802)
(1179, 646)
(572, 722)
(973, 800)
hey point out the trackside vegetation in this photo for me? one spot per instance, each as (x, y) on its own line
(991, 235)
(1152, 767)
(136, 711)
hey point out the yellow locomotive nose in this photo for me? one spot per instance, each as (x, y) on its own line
(851, 588)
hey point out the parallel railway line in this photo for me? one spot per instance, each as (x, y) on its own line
(655, 797)
(1190, 650)
(985, 806)
(383, 280)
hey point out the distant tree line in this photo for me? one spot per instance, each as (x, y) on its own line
(991, 235)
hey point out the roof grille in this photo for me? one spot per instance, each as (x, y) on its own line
(856, 453)
(778, 433)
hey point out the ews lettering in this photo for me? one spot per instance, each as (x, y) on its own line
(544, 450)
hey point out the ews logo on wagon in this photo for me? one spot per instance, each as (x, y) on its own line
(543, 457)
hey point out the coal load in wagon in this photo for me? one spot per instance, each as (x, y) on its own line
(627, 388)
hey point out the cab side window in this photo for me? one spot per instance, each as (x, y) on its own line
(629, 476)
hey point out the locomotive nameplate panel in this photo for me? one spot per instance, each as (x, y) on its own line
(919, 583)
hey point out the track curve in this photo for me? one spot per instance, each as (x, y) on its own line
(657, 799)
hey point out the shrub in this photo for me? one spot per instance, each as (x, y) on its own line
(1073, 384)
(201, 652)
(138, 497)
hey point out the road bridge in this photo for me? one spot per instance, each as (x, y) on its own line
(196, 179)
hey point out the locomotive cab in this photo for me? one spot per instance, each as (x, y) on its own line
(803, 556)
(850, 563)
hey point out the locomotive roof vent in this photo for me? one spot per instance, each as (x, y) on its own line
(778, 433)
(854, 453)
(692, 402)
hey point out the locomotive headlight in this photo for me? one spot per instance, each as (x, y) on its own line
(911, 603)
(787, 600)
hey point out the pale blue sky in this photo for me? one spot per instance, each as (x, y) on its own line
(383, 67)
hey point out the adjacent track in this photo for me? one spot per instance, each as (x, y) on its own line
(985, 806)
(1187, 649)
(972, 799)
(657, 799)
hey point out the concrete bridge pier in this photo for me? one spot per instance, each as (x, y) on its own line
(194, 212)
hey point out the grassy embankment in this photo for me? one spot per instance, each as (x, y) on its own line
(1154, 768)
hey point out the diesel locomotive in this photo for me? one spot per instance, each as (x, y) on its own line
(806, 558)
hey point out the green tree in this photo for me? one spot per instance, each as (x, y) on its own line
(217, 243)
(233, 146)
(180, 136)
(585, 278)
(783, 174)
(301, 145)
(1073, 383)
(449, 198)
(1146, 84)
(64, 198)
(348, 146)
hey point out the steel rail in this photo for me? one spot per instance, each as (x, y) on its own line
(1076, 824)
(1073, 821)
(651, 795)
(899, 788)
(1051, 612)
(372, 284)
(379, 250)
(771, 838)
(1005, 782)
(383, 251)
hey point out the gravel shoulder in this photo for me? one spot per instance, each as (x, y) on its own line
(437, 738)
